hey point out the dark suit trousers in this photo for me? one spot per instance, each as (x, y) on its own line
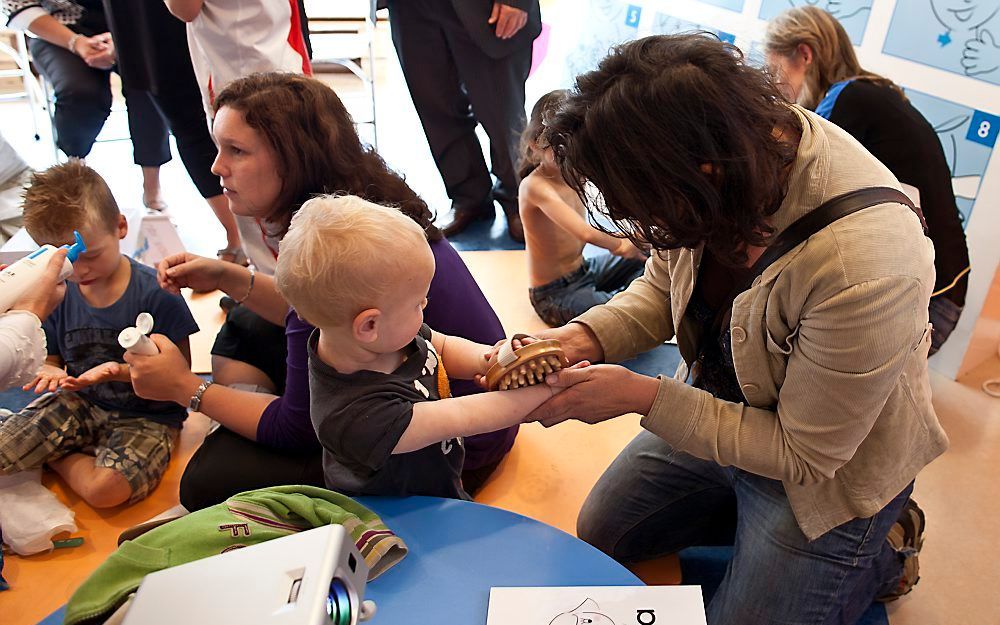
(455, 86)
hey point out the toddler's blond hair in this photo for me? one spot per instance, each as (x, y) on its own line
(342, 255)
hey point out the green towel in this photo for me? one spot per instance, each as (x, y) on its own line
(243, 520)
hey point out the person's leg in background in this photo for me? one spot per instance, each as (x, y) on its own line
(226, 464)
(495, 87)
(150, 143)
(613, 273)
(185, 116)
(944, 315)
(418, 33)
(82, 94)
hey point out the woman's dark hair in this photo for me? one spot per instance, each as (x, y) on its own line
(681, 137)
(530, 138)
(317, 147)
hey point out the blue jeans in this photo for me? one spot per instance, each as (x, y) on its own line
(594, 283)
(944, 315)
(654, 500)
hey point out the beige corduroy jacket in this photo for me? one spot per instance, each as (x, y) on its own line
(830, 347)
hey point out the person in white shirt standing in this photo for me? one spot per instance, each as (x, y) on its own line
(230, 39)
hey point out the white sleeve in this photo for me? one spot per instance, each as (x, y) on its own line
(22, 348)
(23, 19)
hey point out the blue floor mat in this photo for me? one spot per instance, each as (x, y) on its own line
(14, 399)
(706, 566)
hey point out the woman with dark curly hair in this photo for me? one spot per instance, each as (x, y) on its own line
(284, 138)
(802, 322)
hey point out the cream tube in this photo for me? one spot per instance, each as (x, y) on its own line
(135, 339)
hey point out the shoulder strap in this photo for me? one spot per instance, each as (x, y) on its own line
(808, 225)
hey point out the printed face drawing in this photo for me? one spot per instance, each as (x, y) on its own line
(840, 9)
(584, 614)
(964, 14)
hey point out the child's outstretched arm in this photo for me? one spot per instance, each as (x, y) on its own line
(112, 372)
(436, 421)
(462, 358)
(562, 214)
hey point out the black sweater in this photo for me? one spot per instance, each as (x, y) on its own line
(898, 135)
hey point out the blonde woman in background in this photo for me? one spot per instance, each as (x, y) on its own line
(814, 63)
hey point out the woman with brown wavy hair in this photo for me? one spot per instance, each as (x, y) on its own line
(284, 138)
(808, 414)
(815, 65)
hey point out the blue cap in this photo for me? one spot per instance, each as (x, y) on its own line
(76, 249)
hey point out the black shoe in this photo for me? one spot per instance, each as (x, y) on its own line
(463, 220)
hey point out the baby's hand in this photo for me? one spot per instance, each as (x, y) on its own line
(107, 372)
(517, 343)
(489, 357)
(46, 380)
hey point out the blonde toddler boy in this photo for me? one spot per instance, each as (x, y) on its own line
(380, 402)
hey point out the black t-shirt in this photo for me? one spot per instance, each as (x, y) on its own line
(360, 417)
(898, 135)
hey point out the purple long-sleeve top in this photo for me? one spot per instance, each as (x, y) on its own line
(455, 305)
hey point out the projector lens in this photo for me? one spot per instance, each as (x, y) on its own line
(338, 603)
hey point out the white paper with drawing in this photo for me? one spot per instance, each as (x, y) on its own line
(597, 605)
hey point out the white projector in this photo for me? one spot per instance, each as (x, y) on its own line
(313, 577)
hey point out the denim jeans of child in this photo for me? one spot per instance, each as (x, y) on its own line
(595, 282)
(654, 500)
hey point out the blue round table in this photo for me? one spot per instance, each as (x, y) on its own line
(459, 549)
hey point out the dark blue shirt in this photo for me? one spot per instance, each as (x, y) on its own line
(84, 337)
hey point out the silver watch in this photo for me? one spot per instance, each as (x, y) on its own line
(195, 402)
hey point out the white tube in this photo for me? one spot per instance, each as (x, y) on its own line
(133, 340)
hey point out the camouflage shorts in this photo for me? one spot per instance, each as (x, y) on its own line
(61, 423)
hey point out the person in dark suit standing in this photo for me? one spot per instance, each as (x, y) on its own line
(465, 63)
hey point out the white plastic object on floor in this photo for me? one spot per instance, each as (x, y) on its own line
(30, 514)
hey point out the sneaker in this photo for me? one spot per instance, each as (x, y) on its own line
(906, 537)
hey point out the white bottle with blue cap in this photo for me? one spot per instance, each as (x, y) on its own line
(22, 275)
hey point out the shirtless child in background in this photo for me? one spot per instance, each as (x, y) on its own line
(564, 284)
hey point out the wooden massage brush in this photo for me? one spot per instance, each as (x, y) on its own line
(526, 365)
